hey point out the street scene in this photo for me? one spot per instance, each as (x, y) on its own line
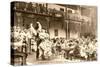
(49, 33)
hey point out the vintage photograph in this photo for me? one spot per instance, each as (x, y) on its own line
(49, 33)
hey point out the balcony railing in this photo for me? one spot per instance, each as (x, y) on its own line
(44, 10)
(72, 16)
(77, 17)
(37, 9)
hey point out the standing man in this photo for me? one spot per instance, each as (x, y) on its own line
(38, 39)
(31, 31)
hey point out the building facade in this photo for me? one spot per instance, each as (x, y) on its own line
(66, 21)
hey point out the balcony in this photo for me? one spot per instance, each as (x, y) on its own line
(38, 9)
(77, 17)
(43, 10)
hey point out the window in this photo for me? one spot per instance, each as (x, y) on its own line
(56, 32)
(61, 9)
(69, 11)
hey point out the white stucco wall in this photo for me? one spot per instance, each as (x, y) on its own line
(61, 33)
(61, 30)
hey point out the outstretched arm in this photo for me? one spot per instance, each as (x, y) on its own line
(39, 26)
(32, 29)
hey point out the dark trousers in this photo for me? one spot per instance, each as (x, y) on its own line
(29, 46)
(37, 52)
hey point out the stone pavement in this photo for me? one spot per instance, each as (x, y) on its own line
(31, 60)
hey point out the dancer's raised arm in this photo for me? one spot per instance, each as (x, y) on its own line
(32, 29)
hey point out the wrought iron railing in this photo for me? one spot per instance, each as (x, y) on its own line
(44, 10)
(38, 9)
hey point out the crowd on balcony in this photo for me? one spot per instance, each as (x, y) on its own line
(37, 8)
(44, 10)
(37, 40)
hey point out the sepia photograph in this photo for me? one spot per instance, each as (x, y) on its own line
(50, 33)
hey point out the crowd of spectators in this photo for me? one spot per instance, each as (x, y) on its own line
(83, 48)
